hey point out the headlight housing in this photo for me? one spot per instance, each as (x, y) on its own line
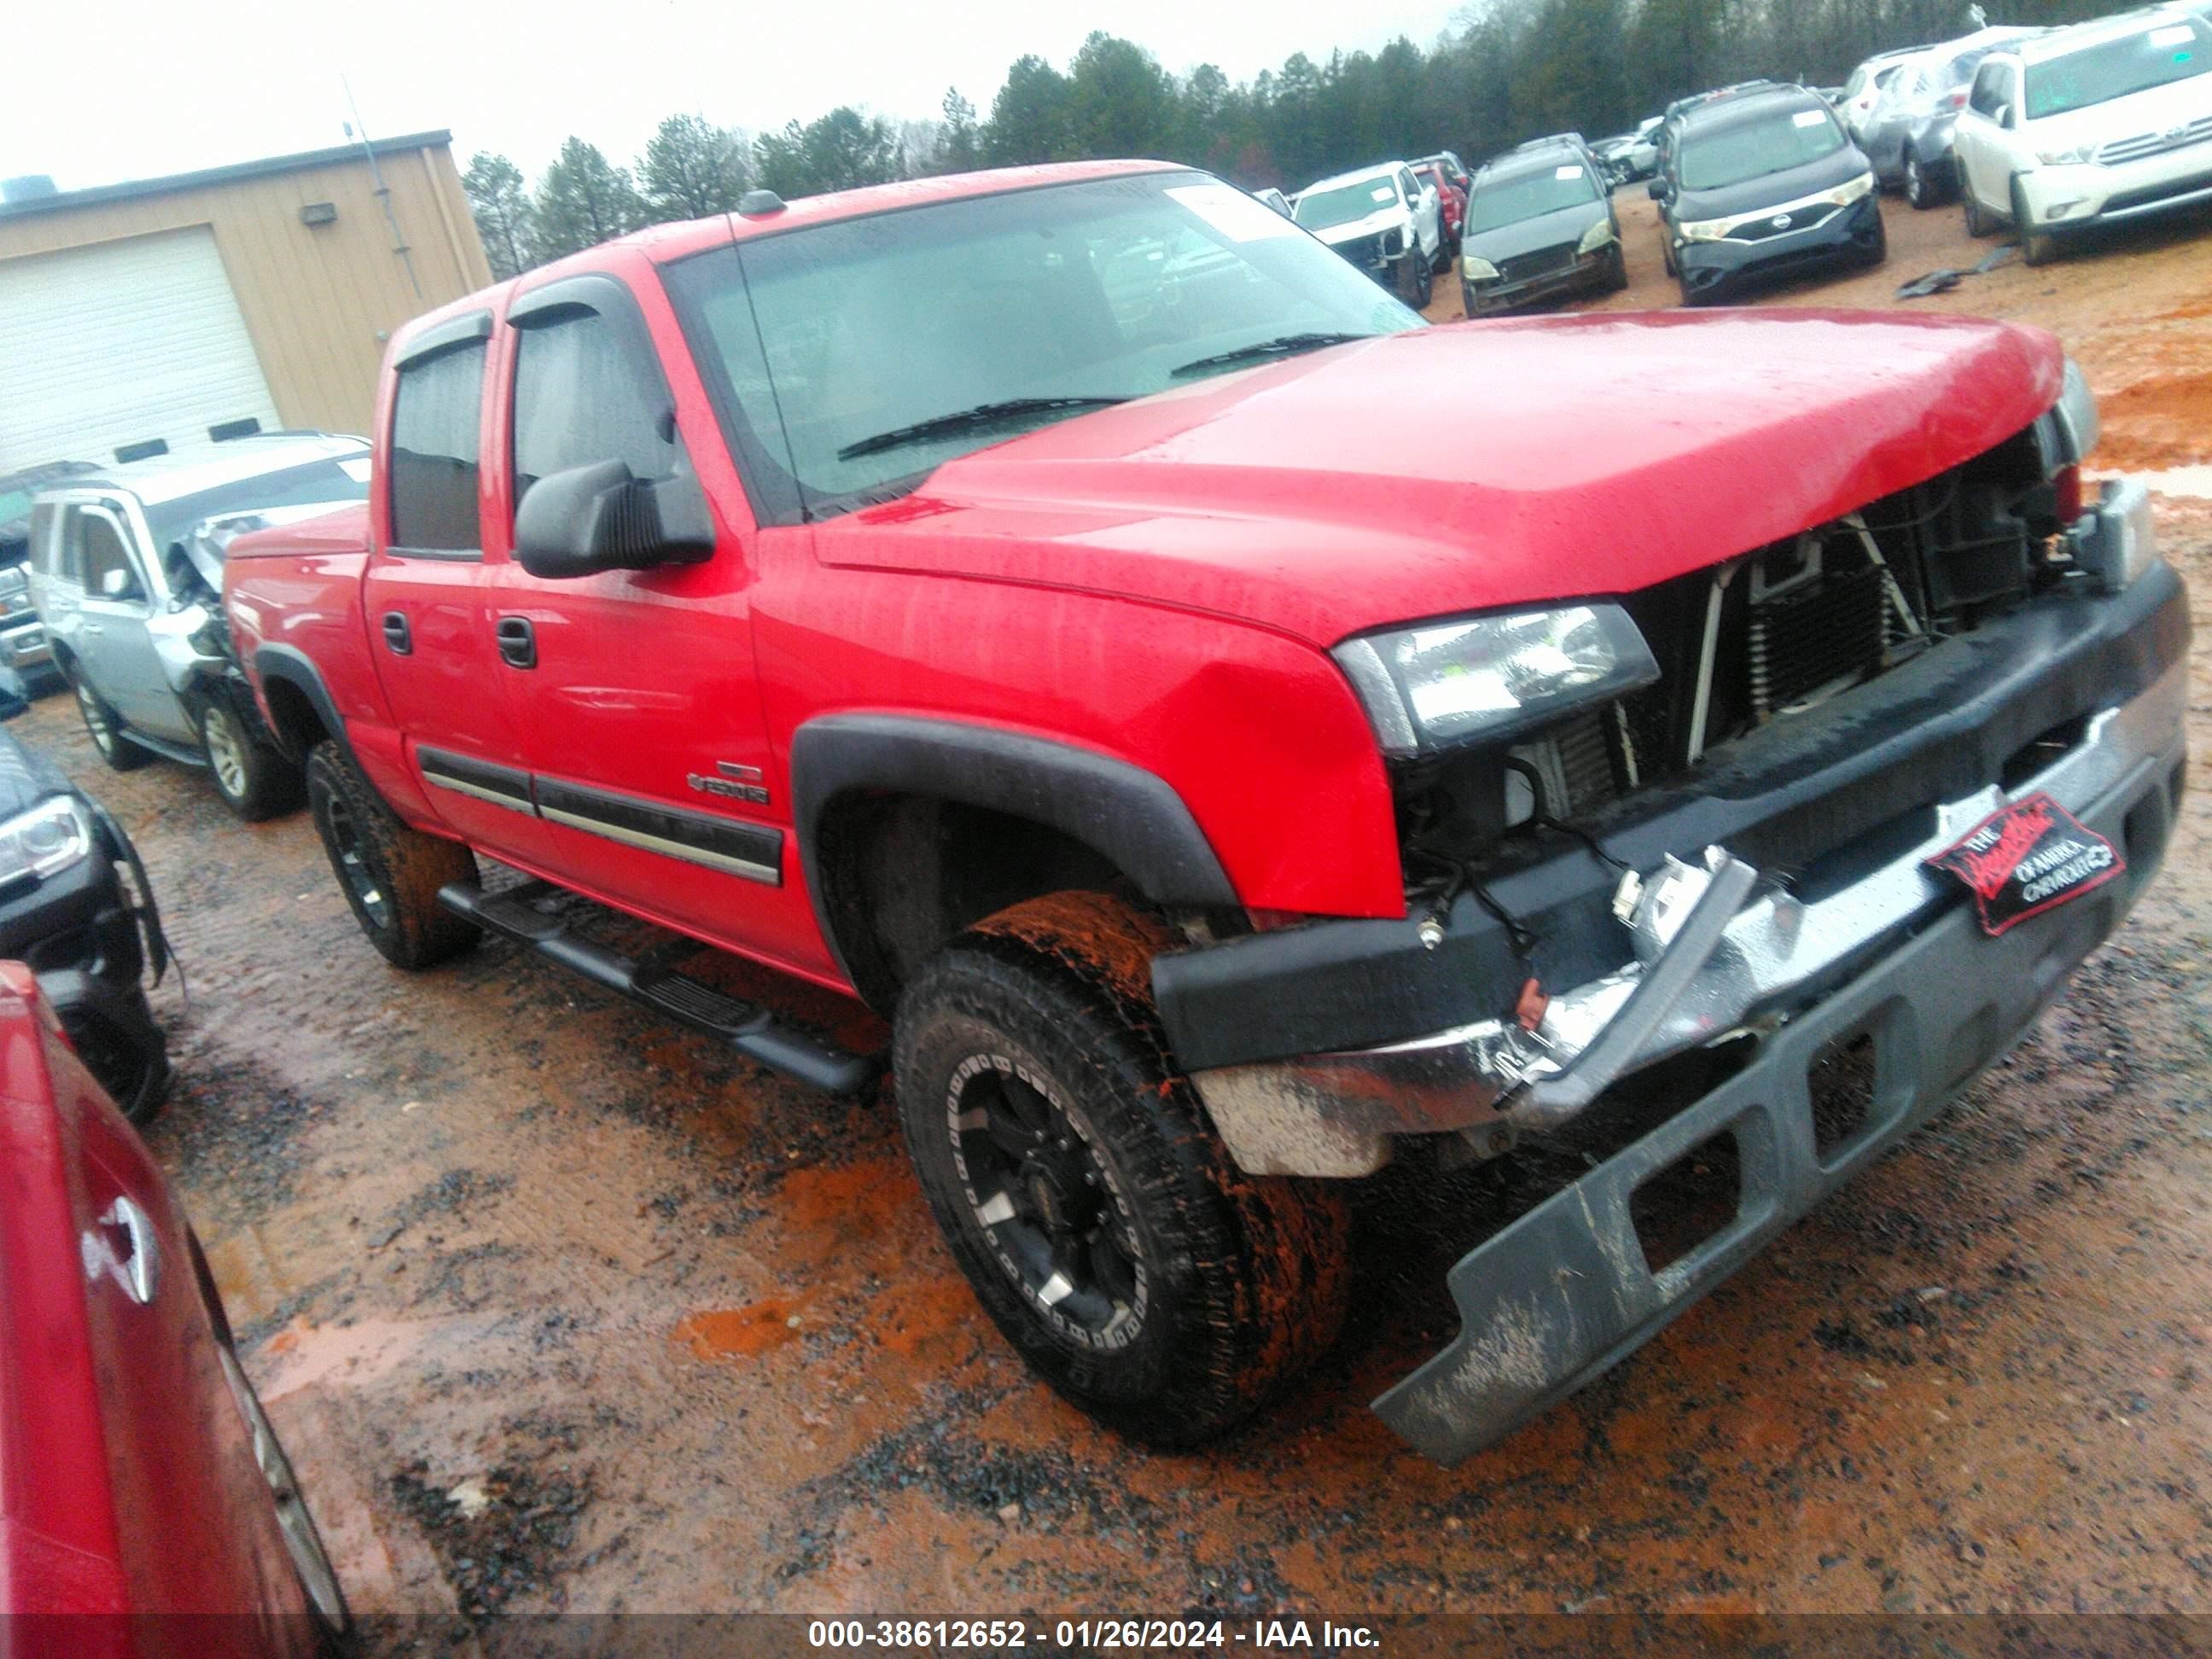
(1487, 679)
(1844, 195)
(2078, 156)
(1599, 234)
(1478, 270)
(1705, 230)
(46, 840)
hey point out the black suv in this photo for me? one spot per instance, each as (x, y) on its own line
(1539, 228)
(66, 911)
(1764, 184)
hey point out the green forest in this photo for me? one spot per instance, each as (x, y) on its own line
(1506, 69)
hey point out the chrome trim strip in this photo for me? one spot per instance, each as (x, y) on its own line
(459, 787)
(674, 849)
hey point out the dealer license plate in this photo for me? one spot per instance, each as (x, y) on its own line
(2026, 857)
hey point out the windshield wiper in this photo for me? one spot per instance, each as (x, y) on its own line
(1281, 345)
(960, 420)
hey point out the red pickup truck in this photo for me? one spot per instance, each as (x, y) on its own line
(1239, 734)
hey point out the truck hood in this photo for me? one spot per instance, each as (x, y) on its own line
(1470, 466)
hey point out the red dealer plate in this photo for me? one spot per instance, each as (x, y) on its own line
(2027, 858)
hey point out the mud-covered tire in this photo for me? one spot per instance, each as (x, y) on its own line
(389, 873)
(253, 779)
(1203, 1291)
(105, 727)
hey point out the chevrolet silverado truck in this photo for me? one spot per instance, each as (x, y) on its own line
(1048, 606)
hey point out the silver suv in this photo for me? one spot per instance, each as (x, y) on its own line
(126, 575)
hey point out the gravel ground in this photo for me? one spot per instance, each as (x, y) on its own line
(561, 1308)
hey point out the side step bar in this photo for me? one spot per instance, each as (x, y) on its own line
(751, 1032)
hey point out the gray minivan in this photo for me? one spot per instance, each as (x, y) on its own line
(126, 575)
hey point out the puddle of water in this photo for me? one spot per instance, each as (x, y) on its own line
(2192, 481)
(741, 1333)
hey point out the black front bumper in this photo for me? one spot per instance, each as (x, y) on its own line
(1851, 236)
(1583, 274)
(1827, 796)
(1565, 1292)
(89, 942)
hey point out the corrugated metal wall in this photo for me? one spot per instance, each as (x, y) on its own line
(318, 301)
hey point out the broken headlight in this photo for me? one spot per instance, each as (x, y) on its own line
(1487, 679)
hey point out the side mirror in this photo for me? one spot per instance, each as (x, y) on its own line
(14, 696)
(1656, 190)
(599, 517)
(2003, 115)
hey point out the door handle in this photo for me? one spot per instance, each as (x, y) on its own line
(94, 627)
(126, 1246)
(517, 642)
(396, 633)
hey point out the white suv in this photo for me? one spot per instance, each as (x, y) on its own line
(2105, 121)
(1383, 220)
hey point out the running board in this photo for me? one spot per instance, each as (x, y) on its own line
(750, 1030)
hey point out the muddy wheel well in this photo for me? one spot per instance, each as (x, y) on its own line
(298, 726)
(901, 874)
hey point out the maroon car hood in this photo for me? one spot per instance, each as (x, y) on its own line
(1473, 465)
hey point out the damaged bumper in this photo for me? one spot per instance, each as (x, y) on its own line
(1565, 1292)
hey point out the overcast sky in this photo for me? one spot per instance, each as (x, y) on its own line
(157, 86)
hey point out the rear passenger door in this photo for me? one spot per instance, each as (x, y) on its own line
(429, 596)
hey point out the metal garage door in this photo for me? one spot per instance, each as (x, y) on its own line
(120, 342)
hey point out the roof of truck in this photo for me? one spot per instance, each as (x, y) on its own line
(664, 244)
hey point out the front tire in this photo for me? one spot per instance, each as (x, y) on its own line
(254, 781)
(105, 727)
(1096, 1214)
(1414, 280)
(2037, 247)
(389, 873)
(1978, 222)
(1922, 189)
(1616, 276)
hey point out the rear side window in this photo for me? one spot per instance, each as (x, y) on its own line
(581, 397)
(1989, 94)
(434, 452)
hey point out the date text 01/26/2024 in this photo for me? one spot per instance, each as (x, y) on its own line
(1090, 1635)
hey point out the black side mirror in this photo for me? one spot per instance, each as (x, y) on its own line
(599, 517)
(14, 696)
(1656, 190)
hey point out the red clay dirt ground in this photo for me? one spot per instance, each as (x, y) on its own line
(561, 1308)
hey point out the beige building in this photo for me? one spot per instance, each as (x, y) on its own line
(173, 311)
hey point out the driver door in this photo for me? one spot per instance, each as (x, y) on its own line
(1979, 138)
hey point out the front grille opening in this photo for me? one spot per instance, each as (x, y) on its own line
(2040, 751)
(1690, 1200)
(1641, 1101)
(1842, 1083)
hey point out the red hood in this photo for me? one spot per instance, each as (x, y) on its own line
(1474, 466)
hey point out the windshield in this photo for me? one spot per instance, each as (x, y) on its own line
(1529, 196)
(1735, 155)
(1054, 300)
(1318, 210)
(2114, 69)
(338, 481)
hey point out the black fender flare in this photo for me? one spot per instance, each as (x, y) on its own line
(296, 669)
(1128, 816)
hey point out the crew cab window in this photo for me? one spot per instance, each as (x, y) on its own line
(101, 551)
(434, 421)
(580, 397)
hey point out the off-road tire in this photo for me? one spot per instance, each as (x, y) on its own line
(105, 727)
(253, 779)
(389, 873)
(1234, 1284)
(2037, 248)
